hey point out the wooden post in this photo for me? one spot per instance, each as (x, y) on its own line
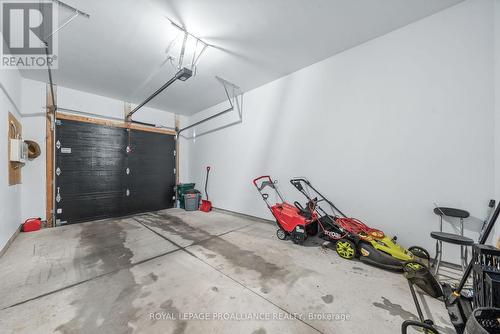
(49, 148)
(127, 108)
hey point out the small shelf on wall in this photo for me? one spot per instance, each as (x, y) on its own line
(15, 132)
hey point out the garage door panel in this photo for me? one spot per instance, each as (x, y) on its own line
(98, 174)
(102, 161)
(79, 134)
(152, 190)
(91, 207)
(140, 203)
(100, 183)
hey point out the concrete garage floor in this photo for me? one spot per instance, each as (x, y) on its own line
(163, 272)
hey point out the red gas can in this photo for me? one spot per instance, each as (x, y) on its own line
(32, 224)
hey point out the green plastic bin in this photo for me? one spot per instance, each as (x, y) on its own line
(181, 189)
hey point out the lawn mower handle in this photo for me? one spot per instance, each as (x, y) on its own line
(268, 182)
(296, 182)
(428, 328)
(260, 178)
(300, 179)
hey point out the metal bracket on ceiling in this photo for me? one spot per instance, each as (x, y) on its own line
(234, 97)
(184, 71)
(196, 54)
(63, 4)
(76, 11)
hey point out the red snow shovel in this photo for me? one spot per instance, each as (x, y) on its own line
(206, 205)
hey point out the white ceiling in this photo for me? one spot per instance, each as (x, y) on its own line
(124, 42)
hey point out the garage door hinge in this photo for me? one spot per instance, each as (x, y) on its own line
(58, 171)
(175, 171)
(175, 153)
(58, 197)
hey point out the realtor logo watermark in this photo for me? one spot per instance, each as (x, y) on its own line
(27, 34)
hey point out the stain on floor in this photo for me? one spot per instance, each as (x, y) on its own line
(153, 277)
(180, 325)
(95, 314)
(174, 225)
(245, 259)
(328, 299)
(395, 310)
(235, 255)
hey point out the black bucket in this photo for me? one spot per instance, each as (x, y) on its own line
(483, 320)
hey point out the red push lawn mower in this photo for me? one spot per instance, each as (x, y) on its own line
(293, 221)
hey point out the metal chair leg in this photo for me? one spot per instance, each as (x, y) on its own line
(440, 252)
(437, 253)
(464, 256)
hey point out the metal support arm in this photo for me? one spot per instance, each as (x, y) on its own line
(182, 75)
(232, 98)
(63, 4)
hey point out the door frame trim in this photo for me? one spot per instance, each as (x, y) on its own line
(116, 124)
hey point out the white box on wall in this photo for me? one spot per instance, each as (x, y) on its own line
(18, 150)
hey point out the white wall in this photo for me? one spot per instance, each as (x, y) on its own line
(497, 94)
(33, 197)
(385, 129)
(497, 106)
(34, 92)
(10, 196)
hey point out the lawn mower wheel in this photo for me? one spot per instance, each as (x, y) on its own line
(420, 253)
(281, 234)
(346, 249)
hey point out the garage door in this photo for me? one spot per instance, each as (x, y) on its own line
(98, 177)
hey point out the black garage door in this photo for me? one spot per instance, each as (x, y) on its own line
(98, 177)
